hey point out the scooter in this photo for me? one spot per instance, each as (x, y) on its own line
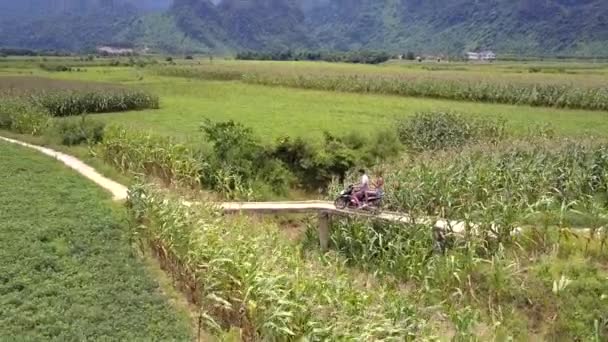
(347, 200)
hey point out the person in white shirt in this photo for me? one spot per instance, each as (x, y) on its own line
(363, 188)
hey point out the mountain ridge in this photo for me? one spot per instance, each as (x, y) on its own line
(527, 27)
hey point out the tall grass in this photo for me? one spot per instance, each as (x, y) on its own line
(560, 96)
(231, 160)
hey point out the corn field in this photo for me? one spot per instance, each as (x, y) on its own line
(391, 281)
(73, 103)
(151, 155)
(497, 273)
(22, 117)
(69, 98)
(207, 74)
(490, 91)
(248, 277)
(525, 170)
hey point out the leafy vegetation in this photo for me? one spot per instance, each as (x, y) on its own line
(561, 96)
(154, 155)
(502, 292)
(308, 113)
(23, 117)
(81, 131)
(68, 270)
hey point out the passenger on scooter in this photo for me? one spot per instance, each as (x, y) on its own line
(378, 190)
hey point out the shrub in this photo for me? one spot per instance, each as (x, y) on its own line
(383, 146)
(6, 120)
(300, 157)
(55, 67)
(440, 130)
(84, 130)
(366, 57)
(238, 151)
(315, 168)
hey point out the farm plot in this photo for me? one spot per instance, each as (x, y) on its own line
(68, 98)
(67, 268)
(189, 93)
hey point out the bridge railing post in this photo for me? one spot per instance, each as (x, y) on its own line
(324, 221)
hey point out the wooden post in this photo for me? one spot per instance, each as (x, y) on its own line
(324, 231)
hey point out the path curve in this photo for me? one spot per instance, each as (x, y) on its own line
(118, 191)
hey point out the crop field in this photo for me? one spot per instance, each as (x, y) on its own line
(185, 102)
(516, 151)
(67, 267)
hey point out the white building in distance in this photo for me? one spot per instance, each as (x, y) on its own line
(481, 56)
(114, 50)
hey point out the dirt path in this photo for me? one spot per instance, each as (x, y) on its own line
(118, 191)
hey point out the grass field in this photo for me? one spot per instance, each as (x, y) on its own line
(379, 281)
(67, 268)
(277, 111)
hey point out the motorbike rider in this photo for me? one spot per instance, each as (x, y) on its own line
(363, 188)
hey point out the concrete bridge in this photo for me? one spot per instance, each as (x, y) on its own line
(326, 210)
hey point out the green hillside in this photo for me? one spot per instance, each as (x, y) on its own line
(518, 26)
(527, 27)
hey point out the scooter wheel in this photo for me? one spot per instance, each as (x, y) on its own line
(340, 203)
